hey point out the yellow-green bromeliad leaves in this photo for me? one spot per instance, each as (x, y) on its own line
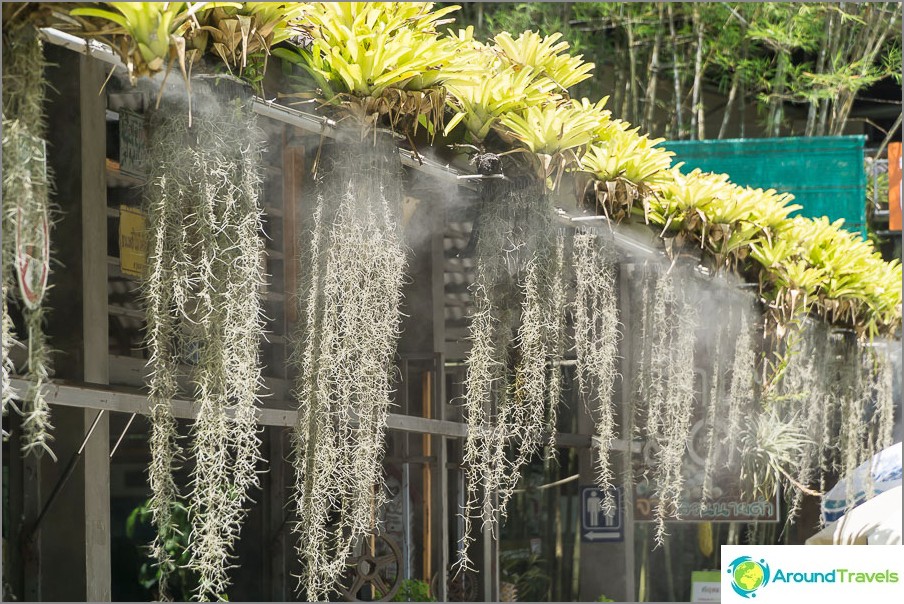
(363, 48)
(529, 73)
(149, 34)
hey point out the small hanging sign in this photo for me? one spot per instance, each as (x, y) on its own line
(132, 241)
(132, 143)
(32, 255)
(598, 523)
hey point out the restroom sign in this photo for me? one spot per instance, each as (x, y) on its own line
(597, 523)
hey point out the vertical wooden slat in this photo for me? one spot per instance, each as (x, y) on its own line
(95, 325)
(624, 312)
(275, 532)
(441, 489)
(426, 409)
(293, 181)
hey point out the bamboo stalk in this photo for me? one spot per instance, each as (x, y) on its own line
(698, 126)
(679, 123)
(776, 114)
(632, 73)
(653, 84)
(729, 104)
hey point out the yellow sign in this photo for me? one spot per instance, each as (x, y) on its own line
(133, 243)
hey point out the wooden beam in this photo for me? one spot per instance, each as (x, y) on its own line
(112, 398)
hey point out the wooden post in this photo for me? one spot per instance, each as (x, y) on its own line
(73, 548)
(95, 325)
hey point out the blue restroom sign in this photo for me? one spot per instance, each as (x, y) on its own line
(599, 523)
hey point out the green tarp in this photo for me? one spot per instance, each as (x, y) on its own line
(825, 173)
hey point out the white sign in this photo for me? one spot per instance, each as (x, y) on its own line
(706, 586)
(812, 573)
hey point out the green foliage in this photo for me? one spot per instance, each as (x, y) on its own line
(150, 33)
(413, 590)
(380, 58)
(178, 576)
(389, 60)
(520, 75)
(526, 570)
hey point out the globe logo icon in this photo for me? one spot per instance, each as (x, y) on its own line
(748, 575)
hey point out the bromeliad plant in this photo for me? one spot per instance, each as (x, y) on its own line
(724, 219)
(624, 167)
(151, 37)
(202, 295)
(380, 60)
(26, 226)
(555, 135)
(148, 36)
(242, 33)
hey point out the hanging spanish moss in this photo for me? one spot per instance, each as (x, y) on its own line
(803, 404)
(741, 392)
(854, 445)
(349, 300)
(8, 393)
(26, 226)
(558, 303)
(732, 393)
(202, 297)
(596, 344)
(716, 406)
(881, 376)
(516, 334)
(666, 375)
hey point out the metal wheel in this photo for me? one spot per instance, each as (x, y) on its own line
(374, 571)
(461, 588)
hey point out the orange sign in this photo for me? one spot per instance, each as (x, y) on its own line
(894, 186)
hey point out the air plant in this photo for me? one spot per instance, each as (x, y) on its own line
(374, 63)
(771, 450)
(202, 294)
(803, 402)
(515, 336)
(732, 390)
(517, 327)
(666, 385)
(349, 306)
(596, 344)
(26, 212)
(741, 390)
(881, 379)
